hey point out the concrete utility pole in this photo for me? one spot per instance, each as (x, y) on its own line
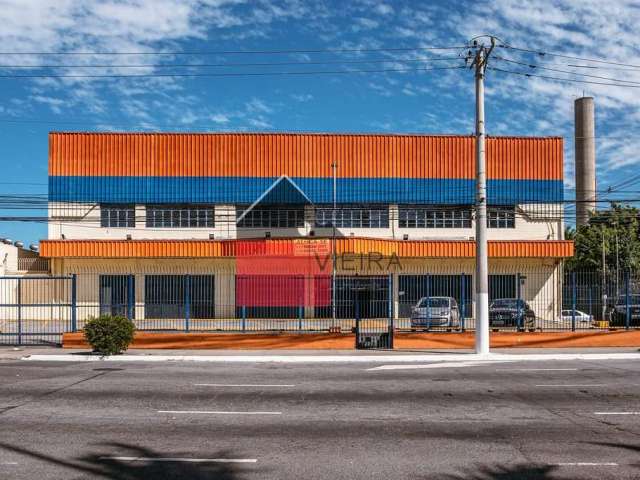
(482, 262)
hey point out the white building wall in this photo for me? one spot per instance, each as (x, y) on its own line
(82, 221)
(8, 259)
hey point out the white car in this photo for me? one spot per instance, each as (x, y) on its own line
(581, 317)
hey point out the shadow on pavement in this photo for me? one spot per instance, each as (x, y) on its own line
(516, 472)
(622, 446)
(96, 465)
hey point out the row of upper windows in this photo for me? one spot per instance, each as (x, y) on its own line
(122, 216)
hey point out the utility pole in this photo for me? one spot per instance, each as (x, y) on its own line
(604, 277)
(482, 262)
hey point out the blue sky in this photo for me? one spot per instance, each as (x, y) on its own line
(438, 101)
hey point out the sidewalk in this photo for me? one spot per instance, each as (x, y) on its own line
(321, 356)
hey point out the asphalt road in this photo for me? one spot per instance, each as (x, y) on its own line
(337, 421)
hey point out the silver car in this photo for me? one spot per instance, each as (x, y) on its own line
(435, 312)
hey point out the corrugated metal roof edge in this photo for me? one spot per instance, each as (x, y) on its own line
(320, 134)
(467, 243)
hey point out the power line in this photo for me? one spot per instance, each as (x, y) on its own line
(525, 74)
(540, 67)
(244, 52)
(236, 64)
(559, 55)
(230, 74)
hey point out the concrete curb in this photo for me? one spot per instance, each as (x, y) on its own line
(493, 357)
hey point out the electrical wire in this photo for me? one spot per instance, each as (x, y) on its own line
(244, 52)
(570, 80)
(230, 74)
(571, 57)
(540, 67)
(236, 64)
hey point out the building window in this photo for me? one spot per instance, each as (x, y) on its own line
(167, 296)
(272, 217)
(352, 217)
(501, 217)
(176, 216)
(117, 216)
(435, 217)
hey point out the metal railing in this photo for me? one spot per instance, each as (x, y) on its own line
(33, 264)
(38, 309)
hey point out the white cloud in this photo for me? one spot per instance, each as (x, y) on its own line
(255, 105)
(139, 26)
(219, 118)
(302, 97)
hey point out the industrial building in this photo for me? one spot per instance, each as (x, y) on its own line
(235, 225)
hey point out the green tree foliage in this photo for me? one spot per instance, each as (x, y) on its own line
(108, 334)
(620, 229)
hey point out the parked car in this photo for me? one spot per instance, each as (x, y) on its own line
(436, 312)
(511, 312)
(617, 313)
(581, 317)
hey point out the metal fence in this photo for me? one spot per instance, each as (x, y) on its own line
(38, 309)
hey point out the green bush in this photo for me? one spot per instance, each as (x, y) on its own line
(109, 334)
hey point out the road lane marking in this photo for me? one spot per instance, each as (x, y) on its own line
(536, 369)
(178, 459)
(8, 463)
(216, 412)
(616, 413)
(350, 358)
(437, 365)
(574, 385)
(586, 464)
(241, 385)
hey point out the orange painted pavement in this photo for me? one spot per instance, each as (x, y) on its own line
(329, 341)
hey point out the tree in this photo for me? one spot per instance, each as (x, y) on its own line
(617, 231)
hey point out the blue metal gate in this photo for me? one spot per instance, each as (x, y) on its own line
(36, 310)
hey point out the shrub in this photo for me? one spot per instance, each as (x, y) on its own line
(109, 334)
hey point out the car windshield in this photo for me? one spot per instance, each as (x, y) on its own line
(633, 300)
(435, 302)
(507, 303)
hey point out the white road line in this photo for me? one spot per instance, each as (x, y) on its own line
(8, 463)
(216, 412)
(350, 358)
(616, 413)
(437, 365)
(536, 369)
(586, 464)
(240, 385)
(574, 385)
(177, 459)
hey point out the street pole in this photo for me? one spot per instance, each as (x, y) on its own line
(334, 167)
(482, 262)
(604, 277)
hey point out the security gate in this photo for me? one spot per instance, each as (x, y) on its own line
(369, 294)
(36, 310)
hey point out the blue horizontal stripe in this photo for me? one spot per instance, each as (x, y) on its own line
(319, 190)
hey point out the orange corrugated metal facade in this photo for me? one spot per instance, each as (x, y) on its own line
(287, 247)
(300, 155)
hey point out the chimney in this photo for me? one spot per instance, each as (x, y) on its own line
(585, 155)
